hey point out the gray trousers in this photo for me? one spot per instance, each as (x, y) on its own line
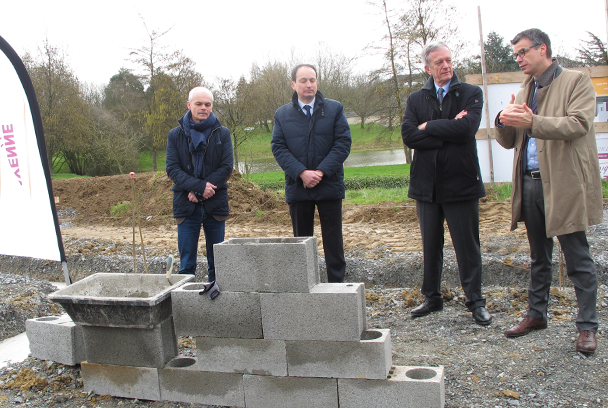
(579, 264)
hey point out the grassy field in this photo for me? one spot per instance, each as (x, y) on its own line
(374, 136)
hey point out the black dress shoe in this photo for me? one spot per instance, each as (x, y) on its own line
(482, 316)
(425, 308)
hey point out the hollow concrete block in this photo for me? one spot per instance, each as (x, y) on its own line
(249, 356)
(407, 387)
(293, 392)
(181, 380)
(231, 314)
(121, 381)
(56, 338)
(267, 264)
(368, 358)
(331, 311)
(131, 347)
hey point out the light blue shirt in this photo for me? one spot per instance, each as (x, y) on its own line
(532, 153)
(446, 88)
(311, 104)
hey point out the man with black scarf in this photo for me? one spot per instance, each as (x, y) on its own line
(199, 162)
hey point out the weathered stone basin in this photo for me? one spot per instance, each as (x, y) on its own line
(138, 301)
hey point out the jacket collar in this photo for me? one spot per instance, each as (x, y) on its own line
(319, 100)
(430, 84)
(546, 78)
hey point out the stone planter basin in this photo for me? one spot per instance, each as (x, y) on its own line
(132, 300)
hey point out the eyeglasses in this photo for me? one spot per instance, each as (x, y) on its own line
(523, 51)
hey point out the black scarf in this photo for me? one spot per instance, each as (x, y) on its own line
(198, 133)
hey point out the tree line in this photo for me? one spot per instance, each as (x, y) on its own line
(101, 130)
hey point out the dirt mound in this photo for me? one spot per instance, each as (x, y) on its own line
(107, 200)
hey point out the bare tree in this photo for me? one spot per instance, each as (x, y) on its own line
(231, 109)
(364, 97)
(408, 31)
(159, 65)
(267, 90)
(334, 71)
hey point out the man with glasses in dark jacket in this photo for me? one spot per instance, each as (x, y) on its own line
(440, 123)
(310, 141)
(199, 162)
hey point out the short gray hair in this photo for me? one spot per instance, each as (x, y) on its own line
(429, 48)
(199, 89)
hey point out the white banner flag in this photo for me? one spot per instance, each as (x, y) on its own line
(28, 220)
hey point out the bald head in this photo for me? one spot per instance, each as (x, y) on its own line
(200, 103)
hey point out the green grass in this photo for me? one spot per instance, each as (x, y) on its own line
(376, 195)
(144, 163)
(605, 187)
(500, 191)
(121, 209)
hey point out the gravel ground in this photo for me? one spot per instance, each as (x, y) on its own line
(482, 367)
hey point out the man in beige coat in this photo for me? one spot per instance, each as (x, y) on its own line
(556, 178)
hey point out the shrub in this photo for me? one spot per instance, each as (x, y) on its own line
(121, 209)
(351, 183)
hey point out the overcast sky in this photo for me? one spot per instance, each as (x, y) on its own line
(224, 37)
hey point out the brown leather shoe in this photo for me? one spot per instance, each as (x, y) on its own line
(586, 342)
(526, 326)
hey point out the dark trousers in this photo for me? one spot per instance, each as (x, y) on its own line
(579, 264)
(463, 222)
(330, 214)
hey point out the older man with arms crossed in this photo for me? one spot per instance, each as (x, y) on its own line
(556, 178)
(440, 123)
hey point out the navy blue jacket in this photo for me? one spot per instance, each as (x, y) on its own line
(218, 165)
(445, 167)
(321, 143)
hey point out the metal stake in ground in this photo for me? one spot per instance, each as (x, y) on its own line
(133, 208)
(143, 249)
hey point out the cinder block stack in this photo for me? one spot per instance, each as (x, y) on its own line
(275, 337)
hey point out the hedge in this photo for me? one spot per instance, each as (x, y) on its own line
(351, 183)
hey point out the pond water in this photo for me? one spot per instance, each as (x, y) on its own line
(356, 159)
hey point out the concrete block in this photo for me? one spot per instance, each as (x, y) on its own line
(56, 338)
(249, 356)
(121, 381)
(231, 314)
(369, 358)
(331, 311)
(407, 387)
(129, 346)
(133, 300)
(267, 264)
(292, 392)
(182, 381)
